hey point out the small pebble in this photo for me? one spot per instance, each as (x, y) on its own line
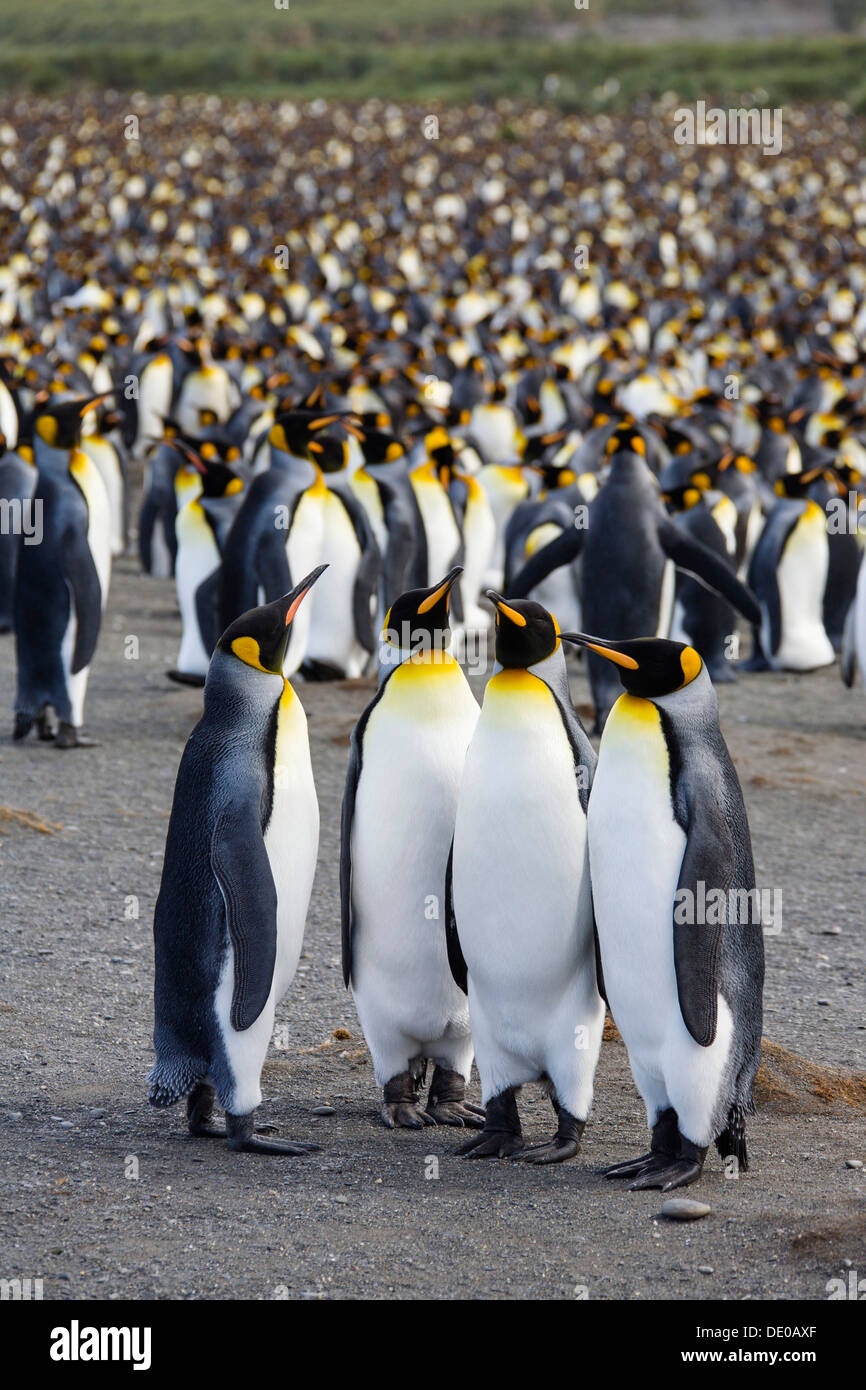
(822, 1001)
(65, 1124)
(685, 1209)
(853, 1163)
(832, 931)
(14, 1115)
(96, 1114)
(342, 1200)
(706, 1269)
(323, 1110)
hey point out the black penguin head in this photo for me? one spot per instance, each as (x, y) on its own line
(418, 619)
(648, 666)
(525, 632)
(260, 637)
(59, 425)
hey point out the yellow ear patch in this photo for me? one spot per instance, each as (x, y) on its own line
(393, 451)
(246, 649)
(691, 664)
(277, 437)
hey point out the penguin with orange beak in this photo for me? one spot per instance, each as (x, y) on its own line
(676, 909)
(239, 862)
(518, 905)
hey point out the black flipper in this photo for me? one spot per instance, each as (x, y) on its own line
(698, 560)
(452, 940)
(242, 869)
(207, 597)
(562, 550)
(80, 573)
(709, 857)
(353, 776)
(369, 572)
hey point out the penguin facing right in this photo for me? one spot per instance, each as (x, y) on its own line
(788, 574)
(62, 584)
(667, 832)
(238, 871)
(407, 755)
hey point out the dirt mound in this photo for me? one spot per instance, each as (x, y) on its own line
(789, 1085)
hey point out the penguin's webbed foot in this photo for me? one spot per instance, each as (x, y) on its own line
(663, 1151)
(242, 1139)
(68, 736)
(564, 1144)
(22, 727)
(501, 1136)
(199, 1113)
(631, 1167)
(447, 1103)
(401, 1108)
(46, 725)
(681, 1171)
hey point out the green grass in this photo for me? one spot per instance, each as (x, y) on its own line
(449, 50)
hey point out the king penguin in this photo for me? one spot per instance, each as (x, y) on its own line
(406, 760)
(201, 527)
(519, 904)
(237, 875)
(62, 584)
(667, 833)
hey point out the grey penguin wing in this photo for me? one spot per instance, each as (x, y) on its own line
(695, 557)
(242, 870)
(452, 940)
(709, 858)
(79, 571)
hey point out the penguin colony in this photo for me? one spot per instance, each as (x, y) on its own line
(401, 418)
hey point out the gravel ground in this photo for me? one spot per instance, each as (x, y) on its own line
(105, 1198)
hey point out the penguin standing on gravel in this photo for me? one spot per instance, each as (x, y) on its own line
(673, 885)
(238, 871)
(62, 584)
(406, 760)
(519, 906)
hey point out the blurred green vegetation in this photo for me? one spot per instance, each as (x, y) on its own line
(450, 50)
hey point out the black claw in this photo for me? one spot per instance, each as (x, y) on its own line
(564, 1145)
(242, 1139)
(447, 1103)
(663, 1151)
(501, 1136)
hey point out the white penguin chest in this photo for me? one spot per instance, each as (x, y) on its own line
(519, 840)
(292, 834)
(636, 851)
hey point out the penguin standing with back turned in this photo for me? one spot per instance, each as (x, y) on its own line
(673, 886)
(238, 871)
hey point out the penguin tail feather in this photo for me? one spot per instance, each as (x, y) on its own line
(732, 1140)
(168, 1084)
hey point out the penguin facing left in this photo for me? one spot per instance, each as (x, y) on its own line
(239, 862)
(61, 585)
(671, 864)
(519, 907)
(407, 755)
